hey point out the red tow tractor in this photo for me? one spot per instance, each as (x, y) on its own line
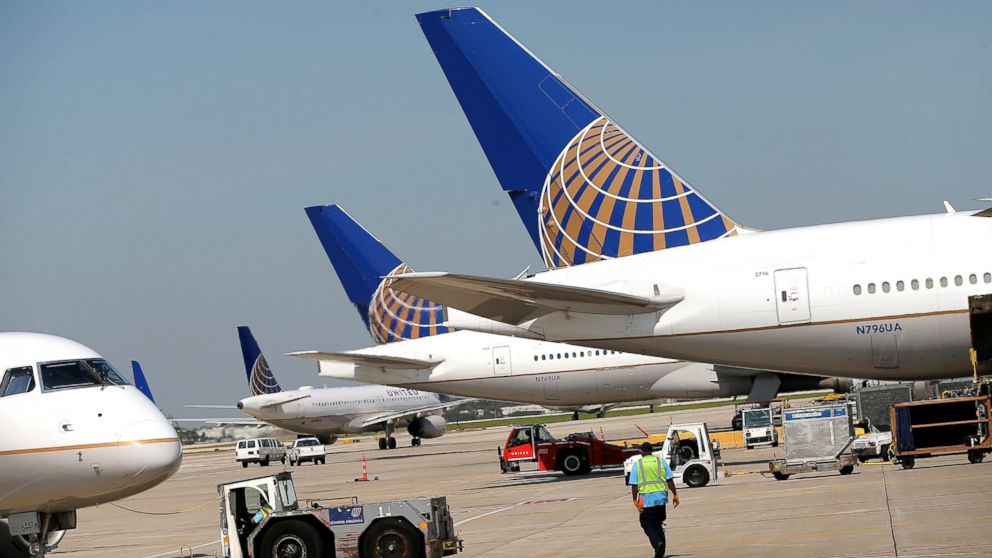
(576, 454)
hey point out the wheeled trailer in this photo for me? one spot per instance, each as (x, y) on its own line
(941, 427)
(816, 439)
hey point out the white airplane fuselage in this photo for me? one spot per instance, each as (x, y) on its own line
(556, 374)
(337, 410)
(67, 448)
(786, 300)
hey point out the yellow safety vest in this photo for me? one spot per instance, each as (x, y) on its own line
(650, 476)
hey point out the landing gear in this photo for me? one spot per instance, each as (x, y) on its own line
(389, 442)
(53, 528)
(415, 442)
(575, 415)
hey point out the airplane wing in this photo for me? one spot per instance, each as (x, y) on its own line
(378, 361)
(211, 406)
(223, 421)
(383, 417)
(513, 302)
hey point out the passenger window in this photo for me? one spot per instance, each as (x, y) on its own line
(973, 279)
(871, 288)
(857, 289)
(958, 281)
(929, 283)
(535, 358)
(17, 380)
(543, 357)
(943, 281)
(900, 286)
(987, 277)
(885, 286)
(915, 284)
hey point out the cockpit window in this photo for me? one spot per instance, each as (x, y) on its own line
(68, 374)
(17, 380)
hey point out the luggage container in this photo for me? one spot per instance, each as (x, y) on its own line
(816, 439)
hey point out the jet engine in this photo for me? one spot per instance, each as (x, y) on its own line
(432, 426)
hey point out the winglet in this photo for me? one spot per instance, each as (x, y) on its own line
(139, 380)
(260, 378)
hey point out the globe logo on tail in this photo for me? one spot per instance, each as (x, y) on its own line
(262, 380)
(396, 316)
(606, 196)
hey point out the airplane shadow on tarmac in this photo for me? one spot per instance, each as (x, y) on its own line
(549, 478)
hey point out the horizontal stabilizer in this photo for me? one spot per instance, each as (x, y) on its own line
(514, 302)
(379, 361)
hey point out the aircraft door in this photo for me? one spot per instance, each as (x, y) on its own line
(501, 361)
(792, 295)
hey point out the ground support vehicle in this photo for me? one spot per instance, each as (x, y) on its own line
(259, 450)
(575, 454)
(306, 449)
(694, 469)
(419, 527)
(758, 427)
(872, 444)
(941, 427)
(816, 439)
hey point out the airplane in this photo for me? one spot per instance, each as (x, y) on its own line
(418, 351)
(76, 435)
(327, 412)
(889, 299)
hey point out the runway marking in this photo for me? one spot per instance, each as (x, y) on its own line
(173, 552)
(464, 521)
(518, 504)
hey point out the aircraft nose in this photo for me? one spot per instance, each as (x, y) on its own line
(149, 451)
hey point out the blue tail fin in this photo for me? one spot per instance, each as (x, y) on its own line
(260, 378)
(361, 262)
(584, 188)
(139, 380)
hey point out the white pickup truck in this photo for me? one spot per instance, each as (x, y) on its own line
(306, 449)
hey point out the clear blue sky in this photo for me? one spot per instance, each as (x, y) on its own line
(155, 157)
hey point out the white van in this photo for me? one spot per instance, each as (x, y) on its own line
(259, 450)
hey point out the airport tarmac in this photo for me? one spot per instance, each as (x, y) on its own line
(943, 507)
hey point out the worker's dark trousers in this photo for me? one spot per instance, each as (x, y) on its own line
(652, 521)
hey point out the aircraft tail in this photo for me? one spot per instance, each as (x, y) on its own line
(361, 262)
(260, 378)
(139, 380)
(584, 188)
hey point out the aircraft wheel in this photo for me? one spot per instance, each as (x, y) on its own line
(291, 538)
(382, 443)
(391, 443)
(25, 543)
(415, 442)
(392, 537)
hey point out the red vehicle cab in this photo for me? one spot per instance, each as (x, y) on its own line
(576, 454)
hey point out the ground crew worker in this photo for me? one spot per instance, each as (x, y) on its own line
(650, 483)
